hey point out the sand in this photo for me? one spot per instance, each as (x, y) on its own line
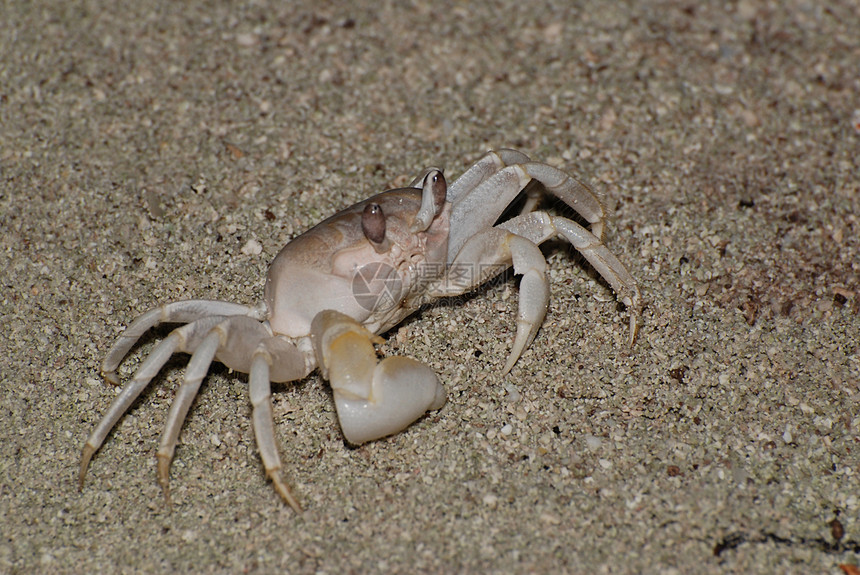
(155, 151)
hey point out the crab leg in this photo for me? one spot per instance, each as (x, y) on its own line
(271, 359)
(482, 206)
(185, 338)
(489, 164)
(571, 191)
(264, 426)
(246, 345)
(197, 368)
(123, 401)
(176, 312)
(540, 226)
(486, 255)
(373, 399)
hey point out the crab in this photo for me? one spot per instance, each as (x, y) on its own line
(331, 291)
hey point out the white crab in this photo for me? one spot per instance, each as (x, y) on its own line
(358, 274)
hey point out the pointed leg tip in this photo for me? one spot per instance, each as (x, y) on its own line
(289, 499)
(634, 324)
(86, 456)
(284, 491)
(509, 365)
(526, 332)
(293, 502)
(110, 376)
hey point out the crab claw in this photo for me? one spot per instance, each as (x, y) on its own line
(373, 399)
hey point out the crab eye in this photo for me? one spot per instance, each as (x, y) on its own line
(434, 191)
(440, 189)
(373, 223)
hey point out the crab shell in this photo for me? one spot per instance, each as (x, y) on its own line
(325, 267)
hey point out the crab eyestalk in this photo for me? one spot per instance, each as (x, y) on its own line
(373, 226)
(435, 190)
